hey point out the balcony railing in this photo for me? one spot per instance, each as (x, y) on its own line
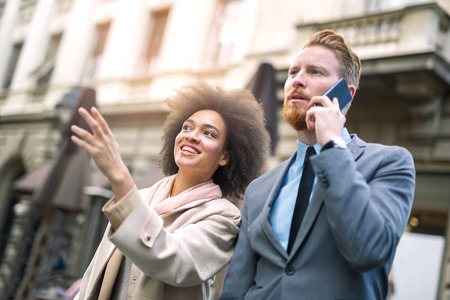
(26, 11)
(371, 30)
(64, 6)
(27, 8)
(416, 28)
(367, 30)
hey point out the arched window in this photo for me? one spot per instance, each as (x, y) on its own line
(10, 171)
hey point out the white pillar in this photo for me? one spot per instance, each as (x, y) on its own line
(35, 46)
(122, 49)
(75, 45)
(7, 25)
(125, 30)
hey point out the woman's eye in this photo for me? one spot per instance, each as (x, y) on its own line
(186, 127)
(210, 134)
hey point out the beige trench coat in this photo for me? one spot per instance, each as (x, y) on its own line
(173, 257)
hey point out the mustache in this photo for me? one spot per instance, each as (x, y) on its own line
(298, 92)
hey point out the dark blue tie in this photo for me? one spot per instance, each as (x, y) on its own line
(302, 202)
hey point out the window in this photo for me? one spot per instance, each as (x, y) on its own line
(159, 24)
(44, 72)
(14, 58)
(99, 42)
(155, 34)
(224, 33)
(102, 35)
(2, 6)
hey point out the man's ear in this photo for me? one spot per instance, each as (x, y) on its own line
(352, 89)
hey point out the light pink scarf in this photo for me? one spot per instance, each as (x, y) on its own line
(158, 196)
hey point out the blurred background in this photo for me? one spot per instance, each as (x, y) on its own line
(126, 57)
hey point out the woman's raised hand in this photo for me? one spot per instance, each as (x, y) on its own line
(104, 150)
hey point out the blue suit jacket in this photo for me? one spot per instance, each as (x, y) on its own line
(346, 244)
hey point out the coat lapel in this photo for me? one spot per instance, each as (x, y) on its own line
(106, 250)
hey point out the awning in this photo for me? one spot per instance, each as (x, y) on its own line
(263, 85)
(34, 180)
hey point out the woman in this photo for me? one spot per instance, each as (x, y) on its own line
(169, 241)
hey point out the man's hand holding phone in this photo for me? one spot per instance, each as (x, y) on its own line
(328, 121)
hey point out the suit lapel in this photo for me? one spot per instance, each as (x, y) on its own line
(356, 146)
(265, 222)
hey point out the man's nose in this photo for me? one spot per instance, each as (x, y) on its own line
(298, 80)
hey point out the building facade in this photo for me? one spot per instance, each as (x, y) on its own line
(134, 55)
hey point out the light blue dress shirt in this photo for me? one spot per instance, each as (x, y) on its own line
(283, 206)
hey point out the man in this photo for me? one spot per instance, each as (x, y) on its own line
(359, 206)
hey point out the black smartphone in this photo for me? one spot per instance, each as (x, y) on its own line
(340, 90)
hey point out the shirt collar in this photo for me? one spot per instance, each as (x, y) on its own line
(301, 147)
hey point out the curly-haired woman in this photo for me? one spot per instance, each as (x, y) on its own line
(170, 240)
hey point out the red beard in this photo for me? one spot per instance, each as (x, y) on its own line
(295, 115)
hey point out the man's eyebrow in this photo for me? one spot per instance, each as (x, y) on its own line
(316, 65)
